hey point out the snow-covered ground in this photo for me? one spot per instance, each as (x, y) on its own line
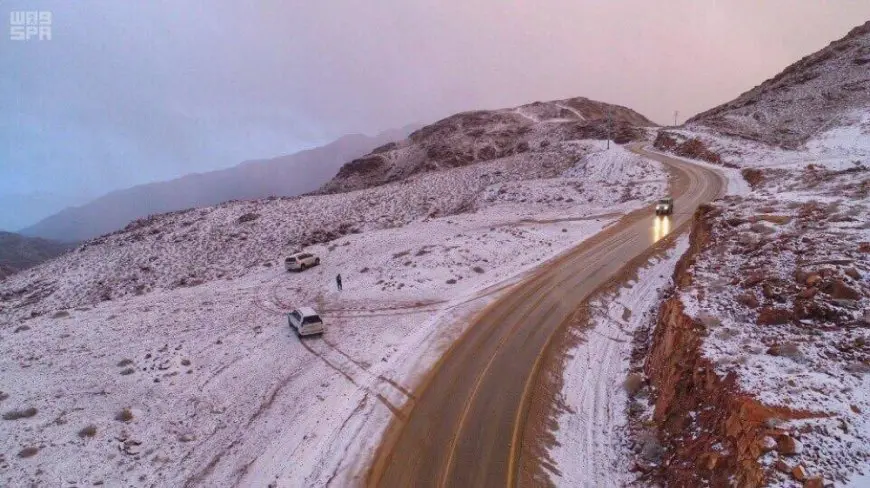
(784, 291)
(201, 382)
(590, 431)
(836, 148)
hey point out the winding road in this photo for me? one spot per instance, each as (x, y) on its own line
(465, 426)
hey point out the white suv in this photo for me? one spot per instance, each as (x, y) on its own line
(300, 261)
(305, 321)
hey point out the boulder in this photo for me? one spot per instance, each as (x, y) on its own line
(788, 445)
(814, 482)
(774, 316)
(839, 289)
(748, 299)
(799, 473)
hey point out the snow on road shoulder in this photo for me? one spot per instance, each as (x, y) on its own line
(588, 448)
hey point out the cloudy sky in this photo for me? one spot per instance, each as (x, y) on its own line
(132, 92)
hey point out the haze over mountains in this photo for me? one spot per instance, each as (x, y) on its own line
(281, 176)
(18, 252)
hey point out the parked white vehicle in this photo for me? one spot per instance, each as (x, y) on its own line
(301, 261)
(305, 321)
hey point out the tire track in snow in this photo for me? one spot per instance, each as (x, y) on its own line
(351, 373)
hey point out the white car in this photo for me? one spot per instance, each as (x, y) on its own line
(305, 321)
(301, 261)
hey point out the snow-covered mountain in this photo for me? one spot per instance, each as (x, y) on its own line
(485, 135)
(804, 100)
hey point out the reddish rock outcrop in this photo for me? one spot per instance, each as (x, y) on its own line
(688, 148)
(714, 433)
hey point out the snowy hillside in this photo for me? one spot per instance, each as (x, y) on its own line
(160, 355)
(192, 247)
(472, 137)
(804, 100)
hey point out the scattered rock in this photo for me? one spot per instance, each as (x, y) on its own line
(839, 289)
(248, 217)
(709, 320)
(808, 293)
(774, 219)
(710, 460)
(814, 482)
(633, 383)
(749, 300)
(753, 279)
(28, 452)
(774, 316)
(767, 444)
(131, 447)
(788, 445)
(788, 349)
(760, 228)
(782, 466)
(799, 473)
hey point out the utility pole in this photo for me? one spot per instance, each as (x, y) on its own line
(676, 113)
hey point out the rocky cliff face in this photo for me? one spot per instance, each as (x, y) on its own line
(808, 97)
(759, 360)
(713, 432)
(479, 136)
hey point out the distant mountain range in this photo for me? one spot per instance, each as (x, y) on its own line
(18, 252)
(291, 175)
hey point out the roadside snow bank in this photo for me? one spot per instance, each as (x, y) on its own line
(590, 447)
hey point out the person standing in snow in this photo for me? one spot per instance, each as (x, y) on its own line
(338, 281)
